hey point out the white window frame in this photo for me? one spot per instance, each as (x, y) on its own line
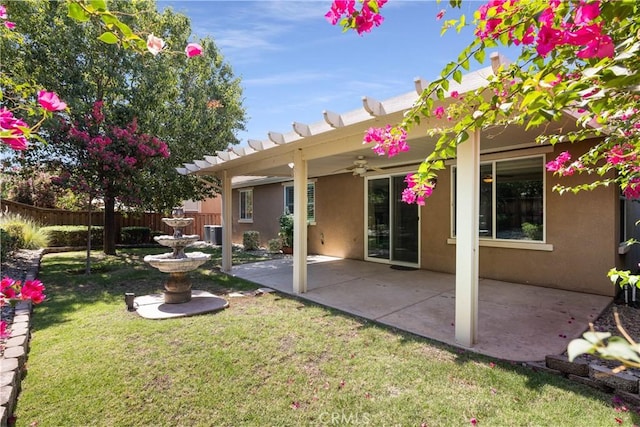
(494, 241)
(242, 193)
(311, 219)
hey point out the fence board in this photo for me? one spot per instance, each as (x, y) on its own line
(46, 216)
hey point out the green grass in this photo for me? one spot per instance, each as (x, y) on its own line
(265, 361)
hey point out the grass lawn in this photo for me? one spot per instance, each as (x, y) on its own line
(270, 360)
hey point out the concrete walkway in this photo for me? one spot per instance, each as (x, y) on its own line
(516, 322)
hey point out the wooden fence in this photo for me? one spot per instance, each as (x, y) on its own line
(45, 216)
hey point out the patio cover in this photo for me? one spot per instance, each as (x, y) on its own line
(321, 148)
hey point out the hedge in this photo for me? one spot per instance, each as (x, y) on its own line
(74, 235)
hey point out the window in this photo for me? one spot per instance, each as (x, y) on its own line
(311, 200)
(511, 199)
(246, 205)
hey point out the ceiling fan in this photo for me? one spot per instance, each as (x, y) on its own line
(360, 167)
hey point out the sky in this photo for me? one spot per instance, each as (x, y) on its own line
(293, 64)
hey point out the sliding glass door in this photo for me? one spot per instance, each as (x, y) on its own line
(393, 227)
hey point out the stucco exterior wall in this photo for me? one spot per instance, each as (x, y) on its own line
(339, 228)
(583, 229)
(268, 205)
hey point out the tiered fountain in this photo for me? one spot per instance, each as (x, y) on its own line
(178, 263)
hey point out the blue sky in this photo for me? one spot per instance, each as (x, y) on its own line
(294, 64)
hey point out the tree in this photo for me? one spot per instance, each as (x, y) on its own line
(194, 104)
(578, 55)
(106, 161)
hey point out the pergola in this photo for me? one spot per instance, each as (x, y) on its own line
(318, 149)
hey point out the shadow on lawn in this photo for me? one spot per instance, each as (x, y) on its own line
(68, 287)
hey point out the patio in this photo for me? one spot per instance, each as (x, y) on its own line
(516, 322)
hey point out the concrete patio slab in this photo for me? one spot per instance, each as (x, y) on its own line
(515, 322)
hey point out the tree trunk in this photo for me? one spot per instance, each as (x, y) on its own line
(88, 265)
(109, 225)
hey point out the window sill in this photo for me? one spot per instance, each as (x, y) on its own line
(245, 221)
(511, 244)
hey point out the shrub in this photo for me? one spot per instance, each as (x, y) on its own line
(25, 233)
(275, 245)
(286, 229)
(135, 235)
(251, 240)
(532, 231)
(73, 235)
(7, 244)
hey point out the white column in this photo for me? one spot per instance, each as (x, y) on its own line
(299, 223)
(227, 222)
(467, 210)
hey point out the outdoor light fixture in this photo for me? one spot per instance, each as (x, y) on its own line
(128, 299)
(488, 179)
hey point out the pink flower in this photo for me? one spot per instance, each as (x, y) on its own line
(632, 189)
(155, 44)
(548, 39)
(3, 12)
(9, 124)
(598, 47)
(473, 421)
(10, 25)
(50, 101)
(8, 288)
(3, 330)
(440, 14)
(454, 94)
(389, 140)
(586, 13)
(193, 49)
(439, 112)
(33, 290)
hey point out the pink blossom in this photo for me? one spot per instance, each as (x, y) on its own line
(14, 127)
(599, 47)
(3, 12)
(632, 189)
(559, 162)
(50, 101)
(418, 189)
(389, 140)
(473, 421)
(8, 287)
(4, 333)
(586, 12)
(548, 39)
(155, 44)
(33, 290)
(10, 25)
(440, 14)
(454, 94)
(193, 49)
(439, 112)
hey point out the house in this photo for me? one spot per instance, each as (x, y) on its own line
(493, 213)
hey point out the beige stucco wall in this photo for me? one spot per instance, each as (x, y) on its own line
(339, 229)
(268, 205)
(582, 228)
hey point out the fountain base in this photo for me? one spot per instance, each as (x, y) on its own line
(154, 306)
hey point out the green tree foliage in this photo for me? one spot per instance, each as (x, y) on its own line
(194, 104)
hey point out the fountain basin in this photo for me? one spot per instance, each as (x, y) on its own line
(178, 222)
(177, 242)
(166, 263)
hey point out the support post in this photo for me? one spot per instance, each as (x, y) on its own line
(299, 223)
(227, 219)
(467, 210)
